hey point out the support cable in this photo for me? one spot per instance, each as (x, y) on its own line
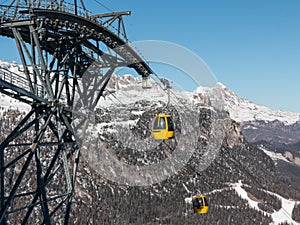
(104, 6)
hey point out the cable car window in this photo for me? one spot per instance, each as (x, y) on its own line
(156, 124)
(170, 124)
(162, 123)
(205, 201)
(195, 202)
(200, 202)
(159, 123)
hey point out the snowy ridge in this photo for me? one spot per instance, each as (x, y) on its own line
(128, 88)
(242, 110)
(13, 67)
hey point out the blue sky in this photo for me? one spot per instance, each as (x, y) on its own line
(252, 46)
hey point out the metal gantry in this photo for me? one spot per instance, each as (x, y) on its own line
(65, 51)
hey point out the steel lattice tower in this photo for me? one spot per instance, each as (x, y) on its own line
(65, 51)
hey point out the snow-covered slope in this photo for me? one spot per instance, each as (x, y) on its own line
(280, 216)
(10, 103)
(284, 214)
(244, 110)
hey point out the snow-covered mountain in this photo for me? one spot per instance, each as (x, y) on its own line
(258, 123)
(242, 110)
(239, 176)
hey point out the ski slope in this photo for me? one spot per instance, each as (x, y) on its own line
(283, 215)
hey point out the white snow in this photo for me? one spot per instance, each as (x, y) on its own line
(244, 195)
(245, 110)
(274, 155)
(7, 102)
(284, 214)
(185, 187)
(188, 200)
(248, 127)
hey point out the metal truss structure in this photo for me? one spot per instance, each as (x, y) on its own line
(64, 50)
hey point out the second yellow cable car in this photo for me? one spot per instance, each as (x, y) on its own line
(163, 127)
(200, 204)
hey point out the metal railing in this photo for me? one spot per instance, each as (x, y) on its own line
(20, 81)
(9, 13)
(62, 7)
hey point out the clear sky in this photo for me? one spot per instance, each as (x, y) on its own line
(252, 46)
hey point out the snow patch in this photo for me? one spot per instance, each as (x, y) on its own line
(244, 195)
(283, 215)
(273, 155)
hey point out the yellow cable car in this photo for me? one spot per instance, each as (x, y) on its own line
(200, 204)
(162, 127)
